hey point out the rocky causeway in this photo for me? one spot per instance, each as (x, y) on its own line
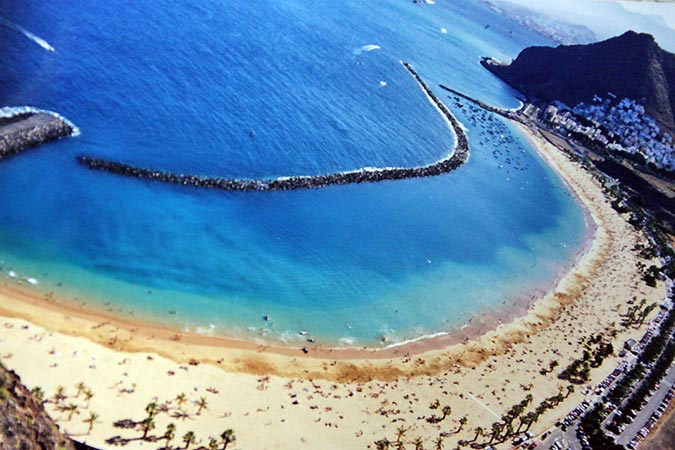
(25, 130)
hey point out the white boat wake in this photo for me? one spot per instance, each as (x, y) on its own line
(366, 48)
(37, 39)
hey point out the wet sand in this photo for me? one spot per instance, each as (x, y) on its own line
(278, 397)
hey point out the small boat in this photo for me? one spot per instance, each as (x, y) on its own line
(31, 281)
(303, 333)
(11, 274)
(266, 317)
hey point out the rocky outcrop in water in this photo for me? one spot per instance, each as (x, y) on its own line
(24, 424)
(26, 130)
(452, 162)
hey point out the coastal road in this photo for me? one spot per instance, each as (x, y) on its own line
(645, 413)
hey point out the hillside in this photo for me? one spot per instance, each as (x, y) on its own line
(631, 65)
(24, 424)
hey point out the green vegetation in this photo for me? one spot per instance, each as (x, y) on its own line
(637, 313)
(4, 393)
(596, 349)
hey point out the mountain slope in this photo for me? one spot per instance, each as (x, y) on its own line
(24, 424)
(631, 65)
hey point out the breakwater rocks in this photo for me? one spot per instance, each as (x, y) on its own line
(22, 129)
(370, 175)
(509, 114)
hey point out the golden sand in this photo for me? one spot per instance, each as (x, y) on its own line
(278, 398)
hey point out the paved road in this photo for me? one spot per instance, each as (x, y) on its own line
(645, 413)
(566, 438)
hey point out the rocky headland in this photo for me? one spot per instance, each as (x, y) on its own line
(631, 65)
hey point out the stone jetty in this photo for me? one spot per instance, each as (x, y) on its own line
(24, 130)
(509, 114)
(450, 163)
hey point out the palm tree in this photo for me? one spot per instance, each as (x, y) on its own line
(400, 433)
(418, 443)
(80, 387)
(531, 418)
(479, 432)
(552, 365)
(382, 444)
(213, 444)
(181, 398)
(570, 390)
(438, 443)
(88, 395)
(151, 409)
(189, 439)
(523, 421)
(93, 418)
(147, 425)
(541, 409)
(201, 404)
(228, 437)
(462, 421)
(39, 394)
(446, 411)
(72, 409)
(60, 394)
(496, 430)
(169, 434)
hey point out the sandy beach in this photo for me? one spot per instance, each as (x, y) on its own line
(278, 398)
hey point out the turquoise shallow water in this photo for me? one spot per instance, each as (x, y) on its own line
(265, 89)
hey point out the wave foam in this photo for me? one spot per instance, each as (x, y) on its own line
(366, 48)
(9, 111)
(347, 341)
(421, 338)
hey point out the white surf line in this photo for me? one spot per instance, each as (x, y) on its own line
(37, 39)
(484, 406)
(9, 111)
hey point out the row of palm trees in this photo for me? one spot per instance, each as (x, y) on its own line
(526, 420)
(400, 443)
(500, 431)
(227, 437)
(153, 409)
(71, 408)
(418, 442)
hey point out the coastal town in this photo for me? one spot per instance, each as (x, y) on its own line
(619, 125)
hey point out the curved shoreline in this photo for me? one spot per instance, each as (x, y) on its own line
(534, 314)
(366, 175)
(54, 343)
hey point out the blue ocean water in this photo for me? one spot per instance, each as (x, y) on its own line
(265, 89)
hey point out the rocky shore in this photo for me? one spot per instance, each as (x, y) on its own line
(452, 162)
(24, 130)
(24, 424)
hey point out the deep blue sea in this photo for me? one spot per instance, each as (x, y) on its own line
(264, 89)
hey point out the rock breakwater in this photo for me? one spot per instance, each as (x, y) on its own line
(23, 129)
(369, 175)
